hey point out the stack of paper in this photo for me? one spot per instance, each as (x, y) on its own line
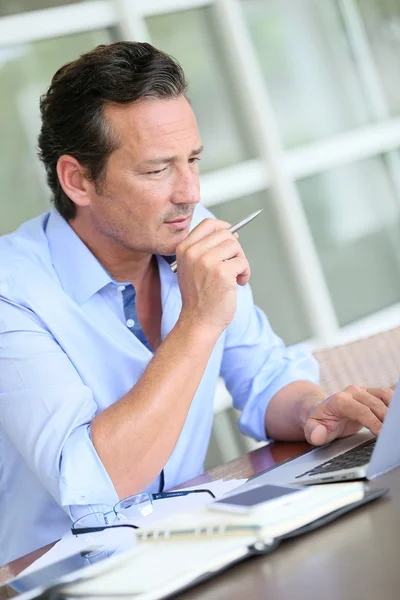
(266, 521)
(179, 551)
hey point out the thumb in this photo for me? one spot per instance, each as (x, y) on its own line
(315, 433)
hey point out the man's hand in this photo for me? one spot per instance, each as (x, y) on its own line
(211, 263)
(346, 412)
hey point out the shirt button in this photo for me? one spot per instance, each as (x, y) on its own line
(121, 288)
(130, 322)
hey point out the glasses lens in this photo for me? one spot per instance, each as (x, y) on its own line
(135, 506)
(101, 544)
(96, 519)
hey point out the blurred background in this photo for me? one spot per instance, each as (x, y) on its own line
(298, 104)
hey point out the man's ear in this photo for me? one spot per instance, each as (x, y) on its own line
(74, 180)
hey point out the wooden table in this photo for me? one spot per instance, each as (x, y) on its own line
(356, 557)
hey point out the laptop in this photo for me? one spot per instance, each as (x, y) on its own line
(360, 456)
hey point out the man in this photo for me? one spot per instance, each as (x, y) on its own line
(108, 360)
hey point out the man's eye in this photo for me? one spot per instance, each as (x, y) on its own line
(194, 160)
(156, 172)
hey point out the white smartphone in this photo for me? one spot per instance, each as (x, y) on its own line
(265, 495)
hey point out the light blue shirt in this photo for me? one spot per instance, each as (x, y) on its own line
(67, 353)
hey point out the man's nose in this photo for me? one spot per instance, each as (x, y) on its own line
(187, 187)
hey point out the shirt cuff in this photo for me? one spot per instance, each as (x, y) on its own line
(297, 365)
(85, 485)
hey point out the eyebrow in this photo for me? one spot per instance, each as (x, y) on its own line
(168, 159)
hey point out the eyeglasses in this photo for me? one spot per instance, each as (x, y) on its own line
(128, 509)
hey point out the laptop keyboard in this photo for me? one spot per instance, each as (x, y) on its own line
(356, 457)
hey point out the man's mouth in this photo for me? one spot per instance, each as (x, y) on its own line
(179, 222)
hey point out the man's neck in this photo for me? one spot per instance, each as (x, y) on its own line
(138, 268)
(121, 263)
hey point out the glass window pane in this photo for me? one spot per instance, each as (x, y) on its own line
(354, 214)
(190, 37)
(306, 61)
(382, 22)
(272, 279)
(10, 7)
(25, 72)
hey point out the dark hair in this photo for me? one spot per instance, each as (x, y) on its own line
(72, 109)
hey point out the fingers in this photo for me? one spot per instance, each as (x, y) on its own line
(375, 404)
(385, 394)
(227, 258)
(217, 246)
(357, 411)
(318, 435)
(194, 251)
(358, 407)
(211, 263)
(346, 412)
(226, 250)
(240, 269)
(324, 426)
(203, 229)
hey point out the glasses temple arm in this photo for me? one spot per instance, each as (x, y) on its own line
(178, 493)
(82, 530)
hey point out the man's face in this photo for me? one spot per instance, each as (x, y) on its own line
(151, 184)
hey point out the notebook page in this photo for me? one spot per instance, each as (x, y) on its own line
(269, 521)
(159, 569)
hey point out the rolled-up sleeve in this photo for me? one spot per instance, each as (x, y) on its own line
(257, 364)
(46, 410)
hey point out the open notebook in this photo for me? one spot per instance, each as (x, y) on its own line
(181, 551)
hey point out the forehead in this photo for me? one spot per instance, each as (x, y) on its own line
(154, 124)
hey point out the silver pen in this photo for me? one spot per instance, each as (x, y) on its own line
(232, 229)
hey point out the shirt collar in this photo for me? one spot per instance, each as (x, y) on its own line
(80, 273)
(78, 270)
